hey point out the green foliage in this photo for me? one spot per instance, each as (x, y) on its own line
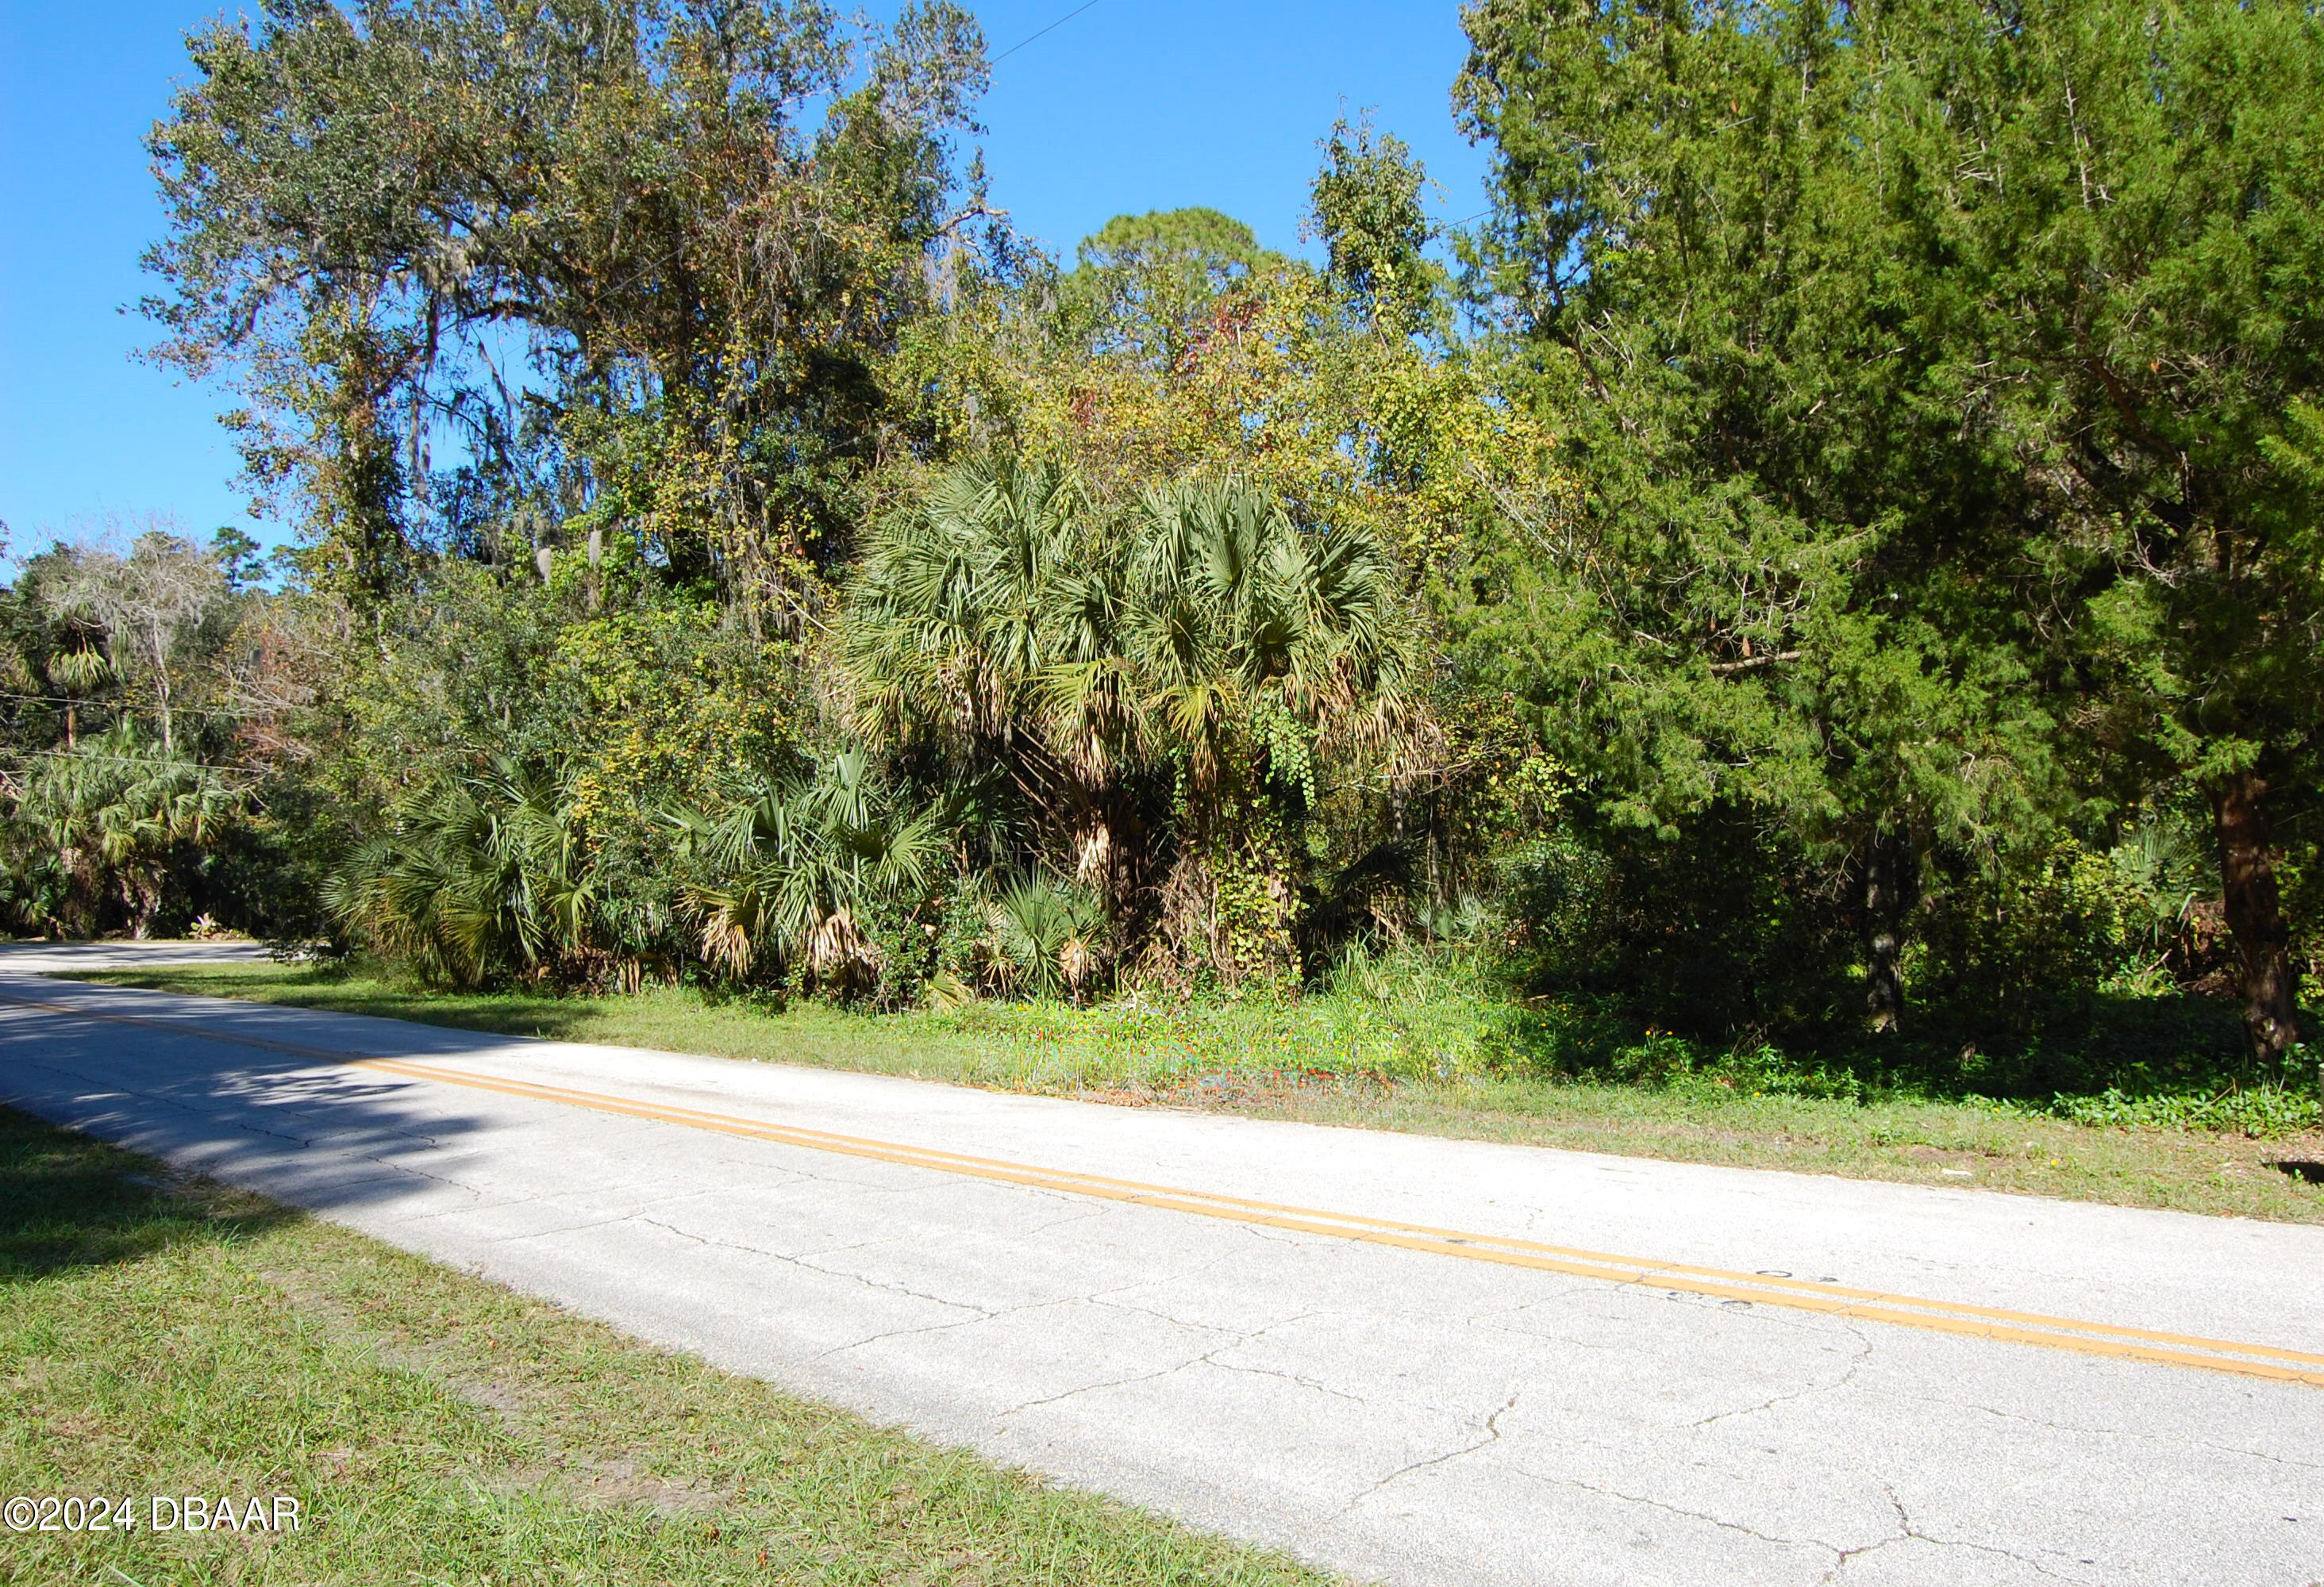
(1047, 937)
(1204, 647)
(1822, 607)
(662, 701)
(486, 873)
(2069, 926)
(1704, 932)
(120, 624)
(1410, 1014)
(1155, 277)
(1375, 230)
(1932, 369)
(2264, 1111)
(107, 831)
(795, 874)
(130, 673)
(699, 227)
(1753, 611)
(1284, 381)
(1239, 609)
(1212, 250)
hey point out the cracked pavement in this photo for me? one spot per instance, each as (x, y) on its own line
(1398, 1415)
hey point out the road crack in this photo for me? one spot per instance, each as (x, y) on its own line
(1492, 1435)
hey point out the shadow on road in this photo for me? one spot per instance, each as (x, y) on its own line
(327, 1139)
(330, 989)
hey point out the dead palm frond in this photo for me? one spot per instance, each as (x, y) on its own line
(793, 870)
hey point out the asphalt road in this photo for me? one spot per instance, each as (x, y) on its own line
(1413, 1360)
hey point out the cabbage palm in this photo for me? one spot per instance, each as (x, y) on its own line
(989, 619)
(1047, 936)
(1258, 643)
(1238, 610)
(480, 875)
(966, 603)
(797, 870)
(108, 818)
(1006, 617)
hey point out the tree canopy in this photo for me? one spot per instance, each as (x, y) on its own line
(1830, 560)
(1932, 367)
(634, 261)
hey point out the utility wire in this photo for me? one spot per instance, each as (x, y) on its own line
(1052, 28)
(128, 706)
(88, 755)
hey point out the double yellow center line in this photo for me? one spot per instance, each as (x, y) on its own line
(1941, 1317)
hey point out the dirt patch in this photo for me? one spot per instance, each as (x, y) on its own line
(624, 1481)
(1236, 1092)
(584, 1478)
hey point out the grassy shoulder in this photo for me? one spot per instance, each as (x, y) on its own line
(1264, 1062)
(167, 1337)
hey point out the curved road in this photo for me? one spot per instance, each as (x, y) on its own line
(1414, 1359)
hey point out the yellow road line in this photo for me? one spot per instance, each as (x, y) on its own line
(2118, 1341)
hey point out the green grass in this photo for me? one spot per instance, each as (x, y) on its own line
(159, 1337)
(1415, 1059)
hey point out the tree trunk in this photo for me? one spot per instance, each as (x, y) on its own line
(2255, 917)
(162, 695)
(144, 901)
(1888, 886)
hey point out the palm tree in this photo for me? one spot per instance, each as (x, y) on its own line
(109, 818)
(1259, 642)
(965, 602)
(484, 874)
(797, 869)
(1047, 936)
(1238, 608)
(987, 622)
(1209, 633)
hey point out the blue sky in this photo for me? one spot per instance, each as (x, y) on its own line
(1131, 106)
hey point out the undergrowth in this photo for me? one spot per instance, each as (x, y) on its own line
(2155, 1062)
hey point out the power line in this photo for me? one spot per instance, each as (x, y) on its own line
(126, 707)
(1053, 27)
(88, 755)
